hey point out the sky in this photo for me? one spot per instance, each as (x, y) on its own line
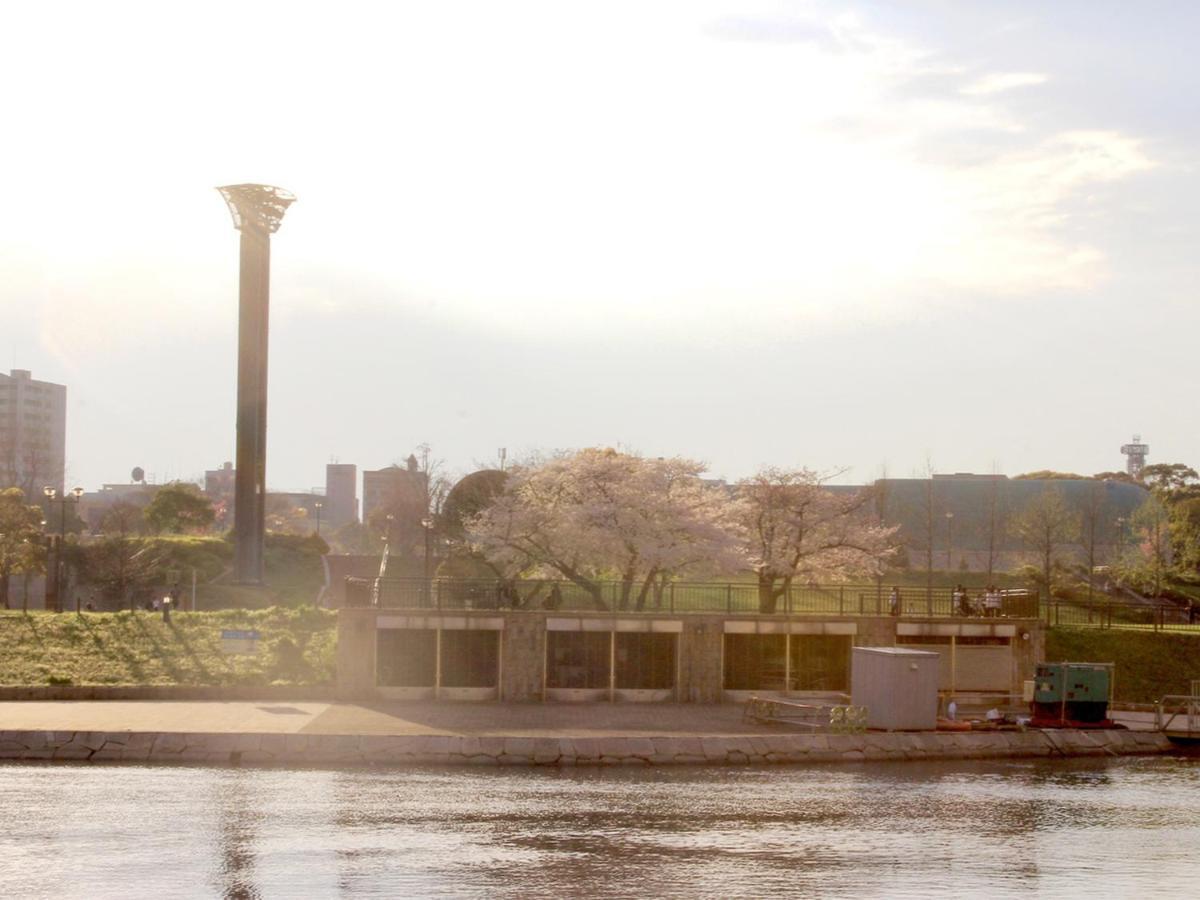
(858, 237)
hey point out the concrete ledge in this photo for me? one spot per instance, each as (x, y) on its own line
(317, 693)
(450, 750)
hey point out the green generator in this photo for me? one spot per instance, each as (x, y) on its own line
(1072, 695)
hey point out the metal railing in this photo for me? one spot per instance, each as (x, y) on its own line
(1131, 616)
(672, 597)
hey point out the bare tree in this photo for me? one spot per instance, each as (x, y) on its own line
(928, 507)
(997, 527)
(1092, 515)
(1046, 523)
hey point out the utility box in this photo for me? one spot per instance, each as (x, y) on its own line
(1072, 695)
(898, 686)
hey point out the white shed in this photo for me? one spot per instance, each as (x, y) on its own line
(898, 686)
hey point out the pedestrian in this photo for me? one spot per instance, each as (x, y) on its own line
(894, 601)
(991, 602)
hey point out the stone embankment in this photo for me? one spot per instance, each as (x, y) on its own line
(440, 750)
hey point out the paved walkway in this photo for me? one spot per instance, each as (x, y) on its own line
(468, 719)
(408, 718)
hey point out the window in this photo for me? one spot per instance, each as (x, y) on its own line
(645, 661)
(577, 659)
(406, 657)
(820, 662)
(470, 659)
(754, 662)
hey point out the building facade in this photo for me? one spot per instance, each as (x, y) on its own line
(33, 433)
(341, 494)
(453, 650)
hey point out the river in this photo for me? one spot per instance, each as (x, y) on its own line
(1101, 828)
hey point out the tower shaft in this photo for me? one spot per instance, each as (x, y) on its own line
(257, 211)
(250, 491)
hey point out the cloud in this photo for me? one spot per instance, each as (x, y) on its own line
(999, 82)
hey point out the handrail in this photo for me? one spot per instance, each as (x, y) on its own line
(672, 598)
(1191, 708)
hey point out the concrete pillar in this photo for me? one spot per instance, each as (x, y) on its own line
(701, 659)
(356, 648)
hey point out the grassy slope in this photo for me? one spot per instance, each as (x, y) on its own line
(1148, 665)
(139, 648)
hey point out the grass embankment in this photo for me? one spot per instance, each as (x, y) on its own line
(1148, 665)
(152, 564)
(297, 646)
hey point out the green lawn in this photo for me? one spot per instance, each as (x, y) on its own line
(297, 646)
(1148, 665)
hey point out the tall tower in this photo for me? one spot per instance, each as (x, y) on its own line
(1136, 452)
(257, 211)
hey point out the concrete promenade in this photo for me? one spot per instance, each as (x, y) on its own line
(304, 733)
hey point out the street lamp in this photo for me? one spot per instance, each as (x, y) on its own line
(427, 524)
(949, 541)
(318, 506)
(59, 569)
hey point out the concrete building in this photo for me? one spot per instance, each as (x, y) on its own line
(95, 505)
(394, 486)
(470, 653)
(341, 494)
(964, 519)
(218, 483)
(33, 433)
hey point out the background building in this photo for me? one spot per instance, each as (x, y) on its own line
(33, 433)
(964, 518)
(341, 494)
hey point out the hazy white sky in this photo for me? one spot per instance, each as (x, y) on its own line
(830, 234)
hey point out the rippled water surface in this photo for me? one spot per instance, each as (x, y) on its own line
(1117, 828)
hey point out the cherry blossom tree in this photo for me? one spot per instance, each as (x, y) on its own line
(796, 527)
(595, 514)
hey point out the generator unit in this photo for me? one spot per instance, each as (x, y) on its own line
(1072, 695)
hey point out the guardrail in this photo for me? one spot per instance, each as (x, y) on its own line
(1171, 706)
(1136, 617)
(673, 597)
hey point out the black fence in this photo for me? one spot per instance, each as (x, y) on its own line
(1132, 616)
(680, 597)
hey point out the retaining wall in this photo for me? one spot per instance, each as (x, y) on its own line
(314, 693)
(354, 750)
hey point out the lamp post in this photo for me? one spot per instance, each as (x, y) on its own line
(59, 570)
(427, 524)
(949, 540)
(318, 506)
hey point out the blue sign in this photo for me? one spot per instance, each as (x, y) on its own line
(238, 641)
(232, 634)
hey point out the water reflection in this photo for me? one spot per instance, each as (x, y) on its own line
(1114, 826)
(238, 814)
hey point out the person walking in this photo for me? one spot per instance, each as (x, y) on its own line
(894, 601)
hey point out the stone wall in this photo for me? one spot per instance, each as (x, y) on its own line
(700, 656)
(523, 654)
(332, 749)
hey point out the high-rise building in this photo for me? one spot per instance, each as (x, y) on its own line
(341, 494)
(33, 433)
